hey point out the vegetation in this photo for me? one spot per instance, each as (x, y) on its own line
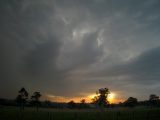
(35, 99)
(131, 102)
(71, 104)
(102, 97)
(154, 100)
(131, 109)
(22, 98)
(12, 113)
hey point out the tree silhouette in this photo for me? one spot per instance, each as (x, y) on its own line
(83, 103)
(153, 99)
(131, 102)
(102, 97)
(35, 99)
(22, 97)
(71, 104)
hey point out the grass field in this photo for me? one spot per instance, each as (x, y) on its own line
(14, 113)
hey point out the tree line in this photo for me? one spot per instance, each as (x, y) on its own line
(99, 101)
(23, 95)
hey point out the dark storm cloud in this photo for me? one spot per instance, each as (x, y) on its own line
(41, 57)
(141, 69)
(139, 75)
(28, 46)
(84, 55)
(58, 45)
(146, 67)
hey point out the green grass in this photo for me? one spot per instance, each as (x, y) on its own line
(14, 113)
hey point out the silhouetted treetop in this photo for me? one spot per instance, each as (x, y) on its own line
(131, 102)
(102, 97)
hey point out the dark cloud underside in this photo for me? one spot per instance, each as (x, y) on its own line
(59, 46)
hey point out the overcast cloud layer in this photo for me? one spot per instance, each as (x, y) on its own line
(73, 47)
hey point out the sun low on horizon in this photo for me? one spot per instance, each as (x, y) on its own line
(64, 48)
(111, 97)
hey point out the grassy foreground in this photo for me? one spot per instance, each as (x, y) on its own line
(13, 113)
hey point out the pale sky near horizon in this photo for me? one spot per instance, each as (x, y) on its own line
(71, 48)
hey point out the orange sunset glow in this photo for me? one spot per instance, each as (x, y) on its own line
(112, 98)
(79, 59)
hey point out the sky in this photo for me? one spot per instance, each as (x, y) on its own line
(68, 49)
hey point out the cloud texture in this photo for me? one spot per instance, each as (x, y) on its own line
(72, 48)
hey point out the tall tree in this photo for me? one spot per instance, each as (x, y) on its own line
(36, 99)
(102, 97)
(22, 97)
